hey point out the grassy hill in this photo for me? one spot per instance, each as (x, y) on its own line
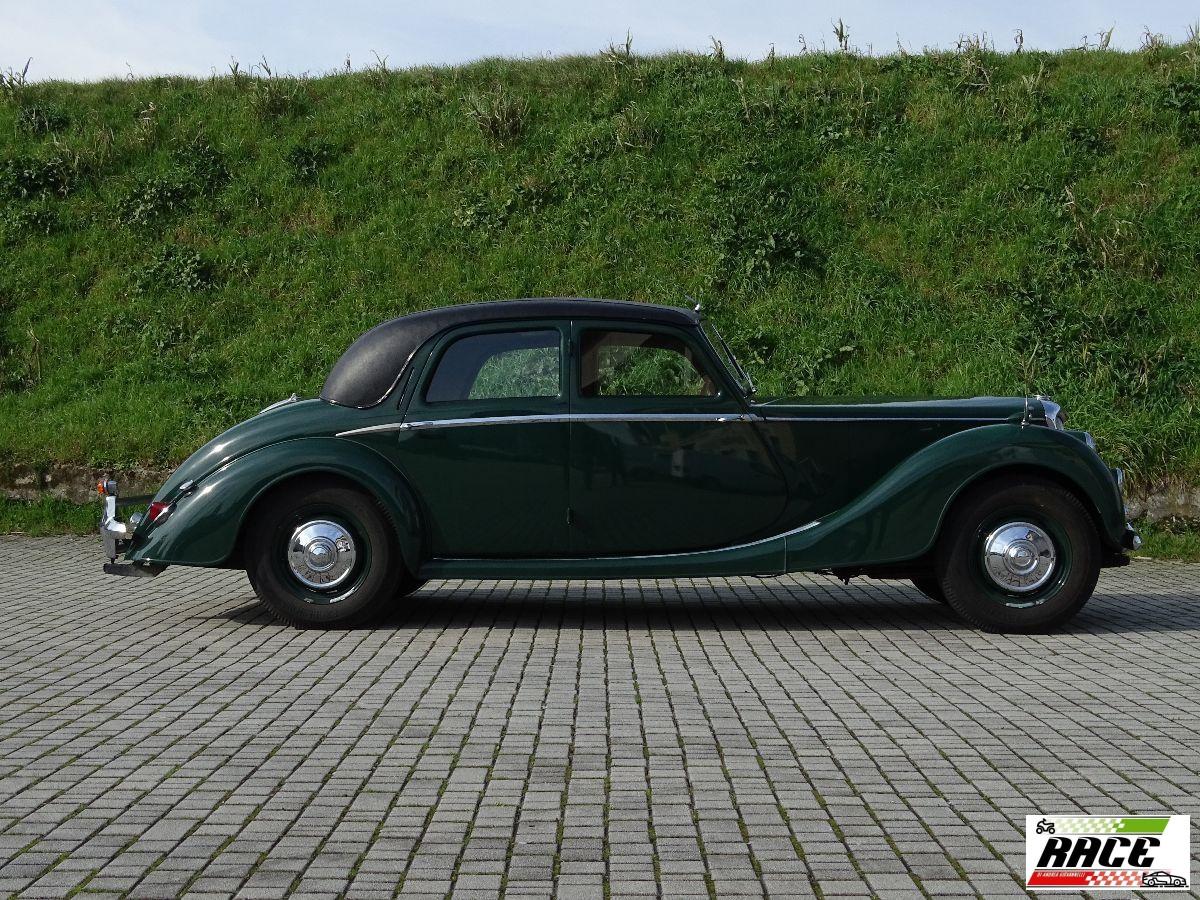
(175, 253)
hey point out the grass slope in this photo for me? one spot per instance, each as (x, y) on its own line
(175, 253)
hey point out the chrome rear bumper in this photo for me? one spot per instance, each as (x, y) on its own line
(115, 533)
(134, 570)
(118, 536)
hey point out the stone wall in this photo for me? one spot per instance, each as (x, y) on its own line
(75, 483)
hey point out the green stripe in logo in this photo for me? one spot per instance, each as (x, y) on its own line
(1142, 825)
(1112, 824)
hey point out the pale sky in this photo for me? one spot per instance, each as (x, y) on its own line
(93, 39)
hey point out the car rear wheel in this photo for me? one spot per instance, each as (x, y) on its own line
(323, 556)
(1020, 555)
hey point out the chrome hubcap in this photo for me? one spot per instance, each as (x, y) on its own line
(321, 554)
(1019, 557)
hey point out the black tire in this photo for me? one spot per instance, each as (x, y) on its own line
(1053, 510)
(410, 585)
(930, 587)
(371, 581)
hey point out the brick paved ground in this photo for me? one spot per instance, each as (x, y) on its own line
(790, 737)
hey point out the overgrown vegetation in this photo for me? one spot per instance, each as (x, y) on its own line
(49, 515)
(174, 252)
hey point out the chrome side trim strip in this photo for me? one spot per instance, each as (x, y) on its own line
(603, 418)
(598, 418)
(914, 419)
(422, 424)
(371, 429)
(775, 537)
(278, 403)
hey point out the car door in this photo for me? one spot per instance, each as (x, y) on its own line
(663, 457)
(485, 439)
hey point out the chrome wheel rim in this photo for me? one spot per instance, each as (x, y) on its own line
(321, 554)
(1019, 557)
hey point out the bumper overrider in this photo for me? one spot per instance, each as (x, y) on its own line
(1130, 540)
(118, 536)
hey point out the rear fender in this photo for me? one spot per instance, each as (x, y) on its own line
(899, 518)
(203, 526)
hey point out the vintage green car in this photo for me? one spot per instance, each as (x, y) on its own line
(562, 438)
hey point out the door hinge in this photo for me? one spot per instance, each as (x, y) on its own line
(570, 516)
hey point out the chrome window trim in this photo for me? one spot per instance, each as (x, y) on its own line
(740, 376)
(396, 381)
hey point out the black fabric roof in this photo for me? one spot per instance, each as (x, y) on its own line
(366, 373)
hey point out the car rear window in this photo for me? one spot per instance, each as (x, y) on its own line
(498, 365)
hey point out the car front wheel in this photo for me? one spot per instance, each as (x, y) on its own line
(323, 556)
(1020, 555)
(930, 587)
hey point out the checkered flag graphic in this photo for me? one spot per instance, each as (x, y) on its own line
(1081, 825)
(1114, 879)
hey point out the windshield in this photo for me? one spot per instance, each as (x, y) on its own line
(735, 368)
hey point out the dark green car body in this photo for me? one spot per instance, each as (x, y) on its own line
(572, 485)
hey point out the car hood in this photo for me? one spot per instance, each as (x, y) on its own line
(997, 409)
(286, 421)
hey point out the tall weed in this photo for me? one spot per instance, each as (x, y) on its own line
(500, 116)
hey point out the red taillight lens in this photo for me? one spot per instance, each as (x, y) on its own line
(157, 510)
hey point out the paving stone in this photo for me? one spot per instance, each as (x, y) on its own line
(786, 737)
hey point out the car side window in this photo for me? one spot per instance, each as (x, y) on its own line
(498, 365)
(640, 364)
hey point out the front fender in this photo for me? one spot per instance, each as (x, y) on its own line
(898, 518)
(203, 526)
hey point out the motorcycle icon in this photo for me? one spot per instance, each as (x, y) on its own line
(1045, 826)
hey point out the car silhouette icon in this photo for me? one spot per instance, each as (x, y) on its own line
(1163, 879)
